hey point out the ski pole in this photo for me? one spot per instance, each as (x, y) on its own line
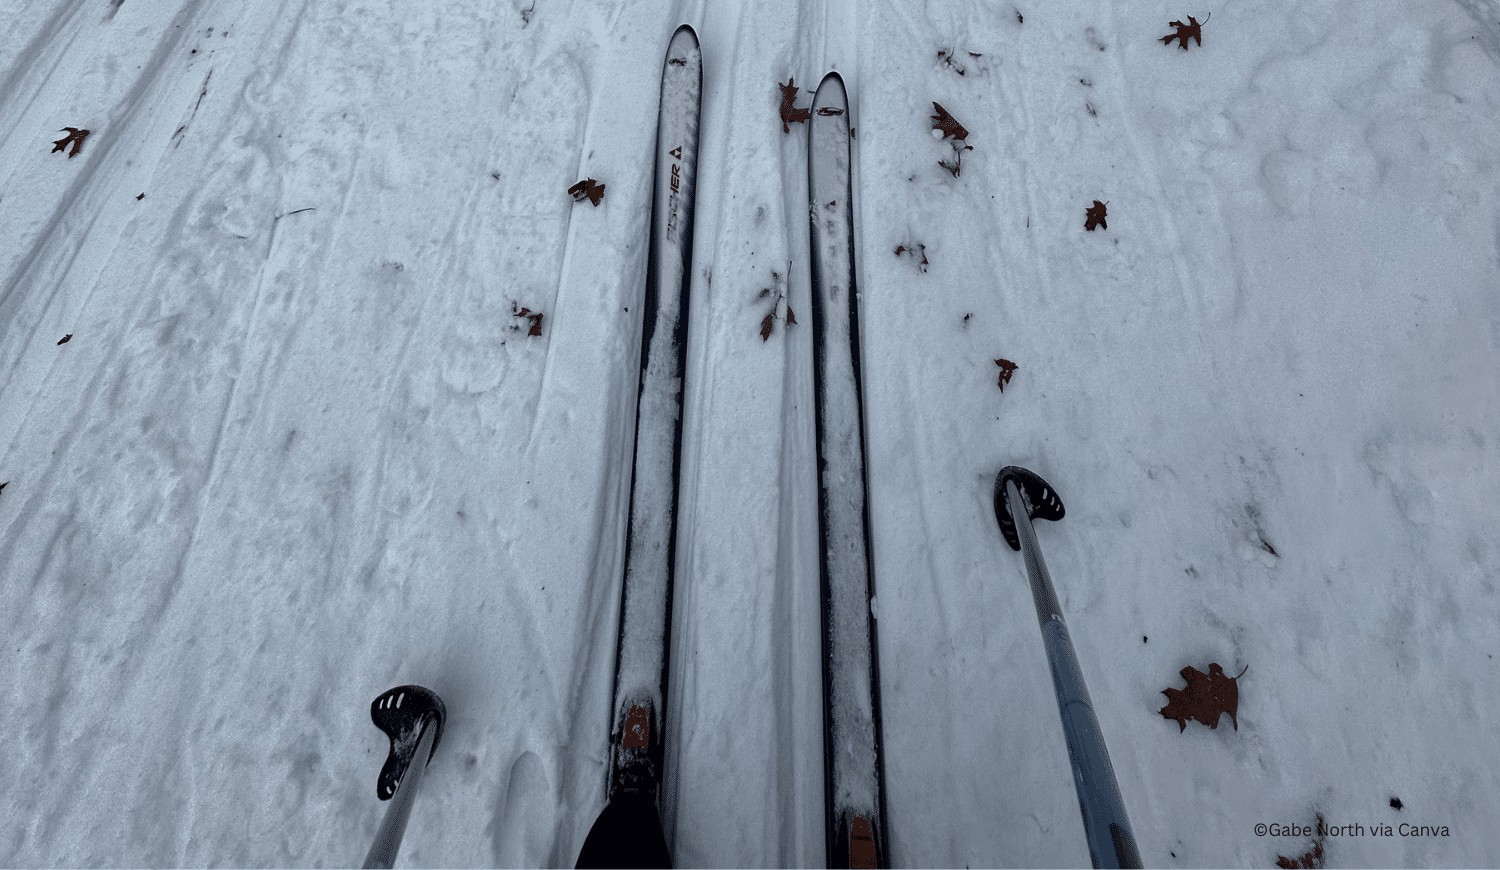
(1021, 495)
(403, 713)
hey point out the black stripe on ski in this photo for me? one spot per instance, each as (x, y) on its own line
(852, 757)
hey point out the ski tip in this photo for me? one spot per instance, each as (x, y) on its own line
(400, 712)
(831, 92)
(1039, 499)
(684, 37)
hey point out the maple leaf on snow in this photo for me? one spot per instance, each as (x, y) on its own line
(945, 122)
(1007, 368)
(587, 188)
(75, 136)
(1093, 217)
(1205, 697)
(789, 113)
(1191, 30)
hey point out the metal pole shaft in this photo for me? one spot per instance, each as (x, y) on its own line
(393, 826)
(1105, 824)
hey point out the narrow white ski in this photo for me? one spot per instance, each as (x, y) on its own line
(851, 678)
(639, 701)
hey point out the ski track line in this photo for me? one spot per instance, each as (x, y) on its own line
(1188, 290)
(68, 252)
(565, 267)
(914, 33)
(150, 83)
(33, 68)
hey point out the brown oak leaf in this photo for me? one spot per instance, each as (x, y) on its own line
(1205, 697)
(75, 136)
(1192, 30)
(1007, 368)
(1094, 217)
(587, 188)
(789, 113)
(945, 122)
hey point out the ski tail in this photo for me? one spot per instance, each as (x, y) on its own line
(853, 755)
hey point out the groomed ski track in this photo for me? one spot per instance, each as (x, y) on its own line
(338, 462)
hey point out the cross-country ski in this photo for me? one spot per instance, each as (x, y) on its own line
(851, 676)
(640, 693)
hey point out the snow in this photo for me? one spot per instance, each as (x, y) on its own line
(300, 450)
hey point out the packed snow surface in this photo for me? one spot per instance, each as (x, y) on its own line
(300, 447)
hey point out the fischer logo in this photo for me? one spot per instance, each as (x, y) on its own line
(672, 201)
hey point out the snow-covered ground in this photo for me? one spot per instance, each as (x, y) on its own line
(299, 448)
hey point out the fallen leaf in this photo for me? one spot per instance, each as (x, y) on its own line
(1205, 698)
(1309, 860)
(1007, 368)
(75, 135)
(789, 113)
(945, 122)
(587, 188)
(64, 339)
(1191, 30)
(1093, 217)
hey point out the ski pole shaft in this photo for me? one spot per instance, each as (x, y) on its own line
(393, 826)
(1105, 824)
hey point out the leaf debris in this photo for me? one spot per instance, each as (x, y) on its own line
(1192, 30)
(1007, 368)
(1094, 217)
(790, 114)
(1205, 698)
(587, 188)
(75, 136)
